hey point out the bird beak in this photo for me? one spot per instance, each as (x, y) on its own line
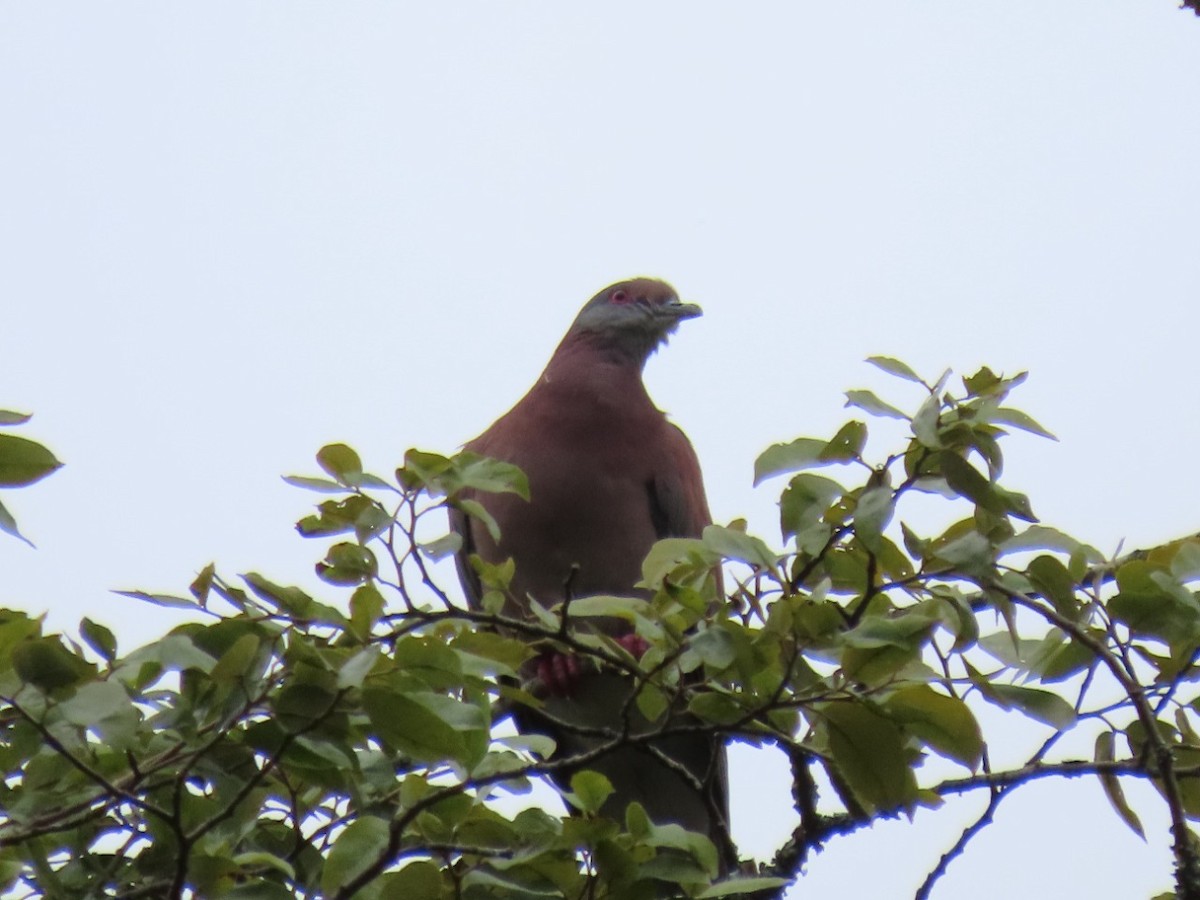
(680, 311)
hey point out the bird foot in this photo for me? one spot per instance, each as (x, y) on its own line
(559, 672)
(635, 644)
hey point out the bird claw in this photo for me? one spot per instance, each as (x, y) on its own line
(559, 673)
(635, 644)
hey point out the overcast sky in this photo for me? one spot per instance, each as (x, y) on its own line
(233, 232)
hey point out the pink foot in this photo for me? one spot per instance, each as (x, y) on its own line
(635, 644)
(559, 673)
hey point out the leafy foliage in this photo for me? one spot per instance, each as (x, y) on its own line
(283, 745)
(22, 462)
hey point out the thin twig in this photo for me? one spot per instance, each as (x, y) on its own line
(960, 845)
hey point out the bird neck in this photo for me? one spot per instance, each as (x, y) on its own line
(586, 361)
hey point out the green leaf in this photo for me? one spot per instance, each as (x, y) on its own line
(167, 600)
(417, 725)
(867, 750)
(9, 525)
(983, 383)
(971, 552)
(485, 653)
(1042, 537)
(440, 475)
(715, 646)
(805, 501)
(23, 461)
(299, 705)
(1112, 785)
(355, 850)
(872, 514)
(1151, 606)
(489, 883)
(203, 583)
(48, 664)
(347, 564)
(1060, 661)
(291, 600)
(8, 417)
(677, 560)
(925, 423)
(1043, 706)
(104, 707)
(492, 476)
(814, 539)
(739, 885)
(1014, 504)
(590, 790)
(11, 867)
(341, 463)
(878, 647)
(355, 669)
(1008, 649)
(652, 703)
(894, 367)
(802, 453)
(868, 402)
(314, 484)
(1185, 560)
(715, 707)
(237, 662)
(877, 666)
(477, 510)
(358, 513)
(175, 651)
(423, 468)
(259, 889)
(260, 860)
(1018, 419)
(697, 847)
(908, 630)
(733, 544)
(99, 638)
(1055, 583)
(965, 480)
(847, 569)
(440, 548)
(957, 616)
(420, 880)
(944, 723)
(892, 560)
(989, 448)
(847, 444)
(366, 607)
(627, 608)
(430, 660)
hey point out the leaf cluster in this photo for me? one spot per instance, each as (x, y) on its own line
(283, 745)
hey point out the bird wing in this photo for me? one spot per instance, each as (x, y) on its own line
(678, 507)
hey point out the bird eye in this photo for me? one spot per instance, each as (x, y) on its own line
(620, 297)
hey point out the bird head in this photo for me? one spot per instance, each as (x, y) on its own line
(633, 316)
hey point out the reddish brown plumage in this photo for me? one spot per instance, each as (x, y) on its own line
(608, 476)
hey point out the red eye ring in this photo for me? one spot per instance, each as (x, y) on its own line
(620, 297)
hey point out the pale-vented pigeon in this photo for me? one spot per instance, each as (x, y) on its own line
(608, 476)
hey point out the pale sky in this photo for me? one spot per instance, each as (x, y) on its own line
(233, 232)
